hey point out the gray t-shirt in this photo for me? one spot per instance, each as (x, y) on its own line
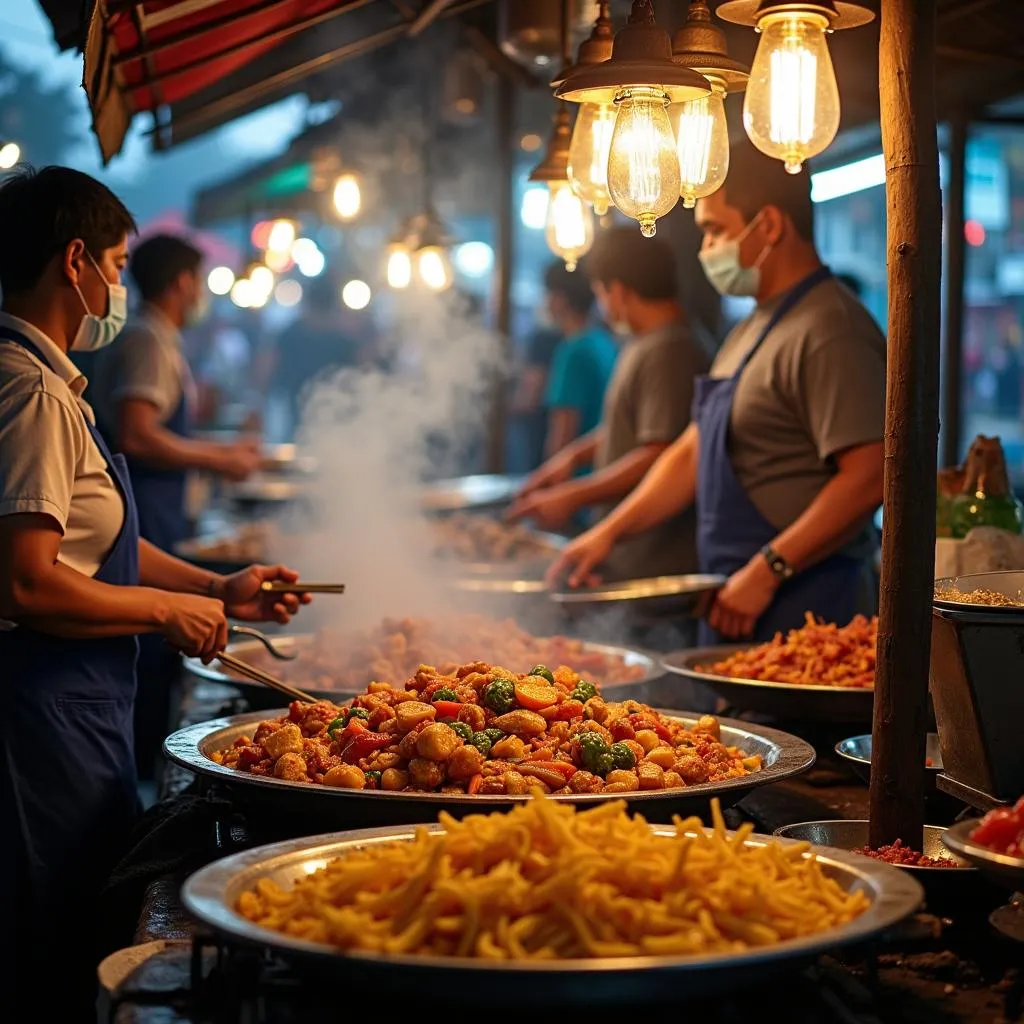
(814, 388)
(648, 402)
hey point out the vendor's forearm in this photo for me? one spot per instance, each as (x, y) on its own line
(164, 449)
(831, 520)
(583, 450)
(159, 569)
(616, 480)
(63, 602)
(667, 489)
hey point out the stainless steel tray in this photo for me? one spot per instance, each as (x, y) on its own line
(211, 895)
(783, 700)
(783, 756)
(215, 674)
(658, 595)
(1001, 868)
(470, 492)
(1009, 584)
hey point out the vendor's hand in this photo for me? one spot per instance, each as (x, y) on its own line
(581, 557)
(243, 599)
(556, 470)
(195, 625)
(240, 460)
(744, 599)
(550, 509)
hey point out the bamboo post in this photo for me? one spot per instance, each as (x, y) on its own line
(956, 246)
(907, 93)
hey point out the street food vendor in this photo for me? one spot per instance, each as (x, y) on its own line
(784, 455)
(143, 394)
(76, 586)
(646, 407)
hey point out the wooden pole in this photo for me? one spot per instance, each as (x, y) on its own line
(907, 93)
(504, 258)
(952, 356)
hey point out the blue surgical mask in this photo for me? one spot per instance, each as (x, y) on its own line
(96, 332)
(724, 270)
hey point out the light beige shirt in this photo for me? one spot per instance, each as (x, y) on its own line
(49, 462)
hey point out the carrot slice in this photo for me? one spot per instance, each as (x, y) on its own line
(475, 783)
(534, 694)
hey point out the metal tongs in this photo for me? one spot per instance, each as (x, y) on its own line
(279, 587)
(257, 675)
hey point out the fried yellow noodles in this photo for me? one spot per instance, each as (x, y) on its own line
(545, 881)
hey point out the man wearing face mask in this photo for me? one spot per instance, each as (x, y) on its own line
(784, 457)
(144, 397)
(646, 406)
(77, 585)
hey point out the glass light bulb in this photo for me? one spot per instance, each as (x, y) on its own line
(791, 110)
(399, 268)
(433, 268)
(643, 168)
(588, 154)
(702, 144)
(348, 198)
(569, 229)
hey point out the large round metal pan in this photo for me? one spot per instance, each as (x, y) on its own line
(856, 751)
(1007, 871)
(211, 894)
(1009, 584)
(470, 492)
(783, 700)
(783, 756)
(265, 697)
(658, 595)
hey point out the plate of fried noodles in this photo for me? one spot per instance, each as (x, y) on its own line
(548, 902)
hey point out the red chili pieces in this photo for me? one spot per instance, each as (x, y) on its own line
(897, 853)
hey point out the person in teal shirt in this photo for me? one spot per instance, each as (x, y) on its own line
(583, 360)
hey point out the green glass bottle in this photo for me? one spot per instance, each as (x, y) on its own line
(985, 498)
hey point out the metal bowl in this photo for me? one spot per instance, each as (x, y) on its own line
(211, 895)
(783, 756)
(1001, 868)
(782, 700)
(1009, 584)
(856, 751)
(941, 885)
(470, 492)
(658, 595)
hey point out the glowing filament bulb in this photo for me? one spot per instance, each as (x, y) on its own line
(702, 144)
(791, 109)
(569, 229)
(643, 167)
(399, 266)
(433, 268)
(348, 198)
(588, 154)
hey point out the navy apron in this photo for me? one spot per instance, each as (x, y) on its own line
(731, 529)
(68, 797)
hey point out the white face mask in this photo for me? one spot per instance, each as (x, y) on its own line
(199, 309)
(96, 332)
(724, 270)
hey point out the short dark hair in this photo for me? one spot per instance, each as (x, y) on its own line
(572, 285)
(646, 266)
(159, 261)
(756, 180)
(42, 212)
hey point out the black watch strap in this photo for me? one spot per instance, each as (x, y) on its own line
(778, 565)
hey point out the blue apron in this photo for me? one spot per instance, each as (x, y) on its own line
(731, 529)
(68, 797)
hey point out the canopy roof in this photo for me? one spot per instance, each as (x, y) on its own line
(196, 64)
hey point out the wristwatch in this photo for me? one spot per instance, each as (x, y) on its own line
(778, 565)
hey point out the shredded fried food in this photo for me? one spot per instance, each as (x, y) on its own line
(548, 882)
(818, 654)
(486, 730)
(979, 596)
